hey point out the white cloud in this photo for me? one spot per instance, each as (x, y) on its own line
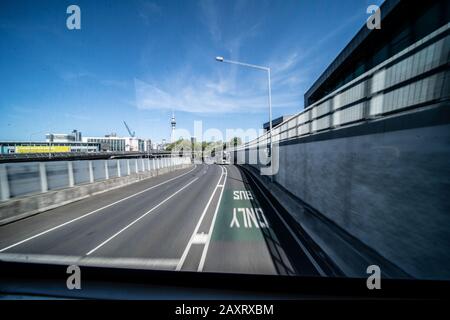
(77, 116)
(69, 76)
(114, 83)
(201, 96)
(210, 17)
(227, 89)
(148, 10)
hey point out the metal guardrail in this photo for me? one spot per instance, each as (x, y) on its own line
(58, 156)
(414, 77)
(26, 178)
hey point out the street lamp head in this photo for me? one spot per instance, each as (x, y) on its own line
(220, 59)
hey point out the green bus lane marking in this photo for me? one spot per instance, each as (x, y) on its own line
(239, 218)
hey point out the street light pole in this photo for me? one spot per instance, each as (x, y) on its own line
(267, 69)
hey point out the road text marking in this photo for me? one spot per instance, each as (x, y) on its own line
(250, 216)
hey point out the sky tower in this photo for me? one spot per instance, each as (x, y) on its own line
(173, 123)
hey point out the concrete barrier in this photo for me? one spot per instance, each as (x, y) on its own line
(31, 188)
(385, 184)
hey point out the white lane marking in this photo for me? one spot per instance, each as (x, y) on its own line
(191, 240)
(211, 228)
(136, 220)
(135, 263)
(311, 259)
(92, 212)
(200, 238)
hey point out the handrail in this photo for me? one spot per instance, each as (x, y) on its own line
(367, 96)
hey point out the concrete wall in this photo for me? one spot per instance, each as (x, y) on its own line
(390, 189)
(30, 188)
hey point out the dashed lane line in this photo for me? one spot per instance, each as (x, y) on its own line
(95, 211)
(142, 216)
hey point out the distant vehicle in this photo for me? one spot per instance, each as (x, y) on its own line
(225, 158)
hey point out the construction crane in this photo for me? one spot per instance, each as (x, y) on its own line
(132, 134)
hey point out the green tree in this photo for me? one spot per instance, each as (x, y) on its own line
(234, 142)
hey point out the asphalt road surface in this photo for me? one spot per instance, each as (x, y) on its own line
(207, 218)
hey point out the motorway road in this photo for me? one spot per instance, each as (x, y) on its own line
(205, 218)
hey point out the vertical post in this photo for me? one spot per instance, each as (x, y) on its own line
(366, 104)
(143, 164)
(91, 172)
(128, 167)
(118, 168)
(70, 173)
(43, 177)
(137, 168)
(148, 164)
(270, 120)
(106, 170)
(4, 184)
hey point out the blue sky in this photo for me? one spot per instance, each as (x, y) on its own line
(138, 60)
